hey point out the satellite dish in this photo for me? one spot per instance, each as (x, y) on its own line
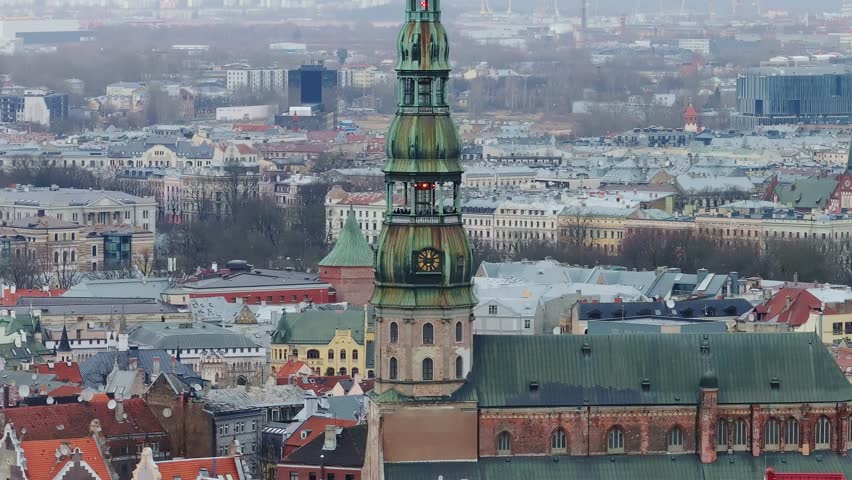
(50, 400)
(196, 387)
(80, 398)
(88, 394)
(556, 330)
(24, 391)
(35, 376)
(60, 427)
(64, 450)
(167, 412)
(111, 404)
(751, 316)
(118, 396)
(24, 431)
(670, 304)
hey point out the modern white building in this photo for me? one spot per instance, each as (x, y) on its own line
(257, 79)
(697, 45)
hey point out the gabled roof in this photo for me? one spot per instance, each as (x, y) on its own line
(791, 306)
(95, 369)
(42, 462)
(226, 400)
(292, 367)
(313, 428)
(64, 371)
(189, 468)
(579, 370)
(351, 248)
(351, 445)
(73, 420)
(806, 193)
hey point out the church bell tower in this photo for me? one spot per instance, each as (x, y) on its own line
(423, 295)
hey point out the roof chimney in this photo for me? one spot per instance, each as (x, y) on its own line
(155, 371)
(119, 411)
(330, 438)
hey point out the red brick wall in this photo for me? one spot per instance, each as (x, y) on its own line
(646, 429)
(352, 284)
(278, 296)
(304, 472)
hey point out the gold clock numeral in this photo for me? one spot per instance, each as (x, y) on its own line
(428, 260)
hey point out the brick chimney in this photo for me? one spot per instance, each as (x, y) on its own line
(330, 443)
(708, 409)
(119, 411)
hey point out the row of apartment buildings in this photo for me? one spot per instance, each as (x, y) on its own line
(601, 220)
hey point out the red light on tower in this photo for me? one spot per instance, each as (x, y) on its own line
(424, 4)
(424, 186)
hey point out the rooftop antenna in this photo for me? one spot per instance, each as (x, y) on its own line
(509, 10)
(555, 9)
(682, 8)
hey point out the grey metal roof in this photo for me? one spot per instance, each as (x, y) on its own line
(174, 335)
(94, 306)
(236, 399)
(733, 307)
(256, 278)
(349, 407)
(95, 369)
(182, 148)
(150, 288)
(63, 197)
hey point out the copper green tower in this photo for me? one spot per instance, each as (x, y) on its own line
(423, 296)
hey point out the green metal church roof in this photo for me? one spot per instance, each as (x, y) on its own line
(351, 249)
(578, 370)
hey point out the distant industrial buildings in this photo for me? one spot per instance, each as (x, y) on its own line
(19, 33)
(775, 95)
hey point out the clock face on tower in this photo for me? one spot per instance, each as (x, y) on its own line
(428, 260)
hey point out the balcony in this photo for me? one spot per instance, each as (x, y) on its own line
(404, 217)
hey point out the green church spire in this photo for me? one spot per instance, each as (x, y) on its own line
(423, 153)
(351, 248)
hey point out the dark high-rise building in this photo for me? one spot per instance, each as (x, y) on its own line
(784, 95)
(313, 85)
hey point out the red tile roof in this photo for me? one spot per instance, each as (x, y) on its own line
(320, 385)
(292, 367)
(43, 465)
(187, 469)
(9, 299)
(245, 127)
(316, 425)
(65, 391)
(72, 420)
(245, 149)
(64, 371)
(843, 357)
(790, 306)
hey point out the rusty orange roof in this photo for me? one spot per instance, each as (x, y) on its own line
(42, 462)
(190, 467)
(65, 391)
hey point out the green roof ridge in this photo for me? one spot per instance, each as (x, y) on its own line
(351, 248)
